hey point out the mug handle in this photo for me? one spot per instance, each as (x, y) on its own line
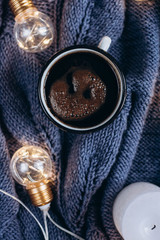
(105, 43)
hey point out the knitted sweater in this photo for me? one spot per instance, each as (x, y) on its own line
(90, 169)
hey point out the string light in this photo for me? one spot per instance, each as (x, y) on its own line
(33, 29)
(31, 166)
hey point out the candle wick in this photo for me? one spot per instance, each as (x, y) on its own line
(153, 227)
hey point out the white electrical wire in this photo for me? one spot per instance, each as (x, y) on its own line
(45, 215)
(63, 229)
(45, 223)
(16, 199)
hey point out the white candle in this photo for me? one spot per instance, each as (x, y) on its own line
(136, 212)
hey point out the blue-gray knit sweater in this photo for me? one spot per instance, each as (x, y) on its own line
(90, 169)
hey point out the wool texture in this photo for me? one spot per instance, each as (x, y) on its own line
(90, 169)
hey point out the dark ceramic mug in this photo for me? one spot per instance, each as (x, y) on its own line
(104, 67)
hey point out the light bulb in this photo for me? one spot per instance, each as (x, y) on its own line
(33, 30)
(31, 166)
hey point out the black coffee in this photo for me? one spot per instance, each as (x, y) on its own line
(82, 89)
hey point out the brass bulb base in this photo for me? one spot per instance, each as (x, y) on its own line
(19, 6)
(41, 195)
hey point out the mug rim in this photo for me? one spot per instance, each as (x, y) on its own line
(75, 49)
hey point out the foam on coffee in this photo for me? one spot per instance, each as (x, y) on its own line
(77, 94)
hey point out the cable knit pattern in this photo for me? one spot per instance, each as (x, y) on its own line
(90, 169)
